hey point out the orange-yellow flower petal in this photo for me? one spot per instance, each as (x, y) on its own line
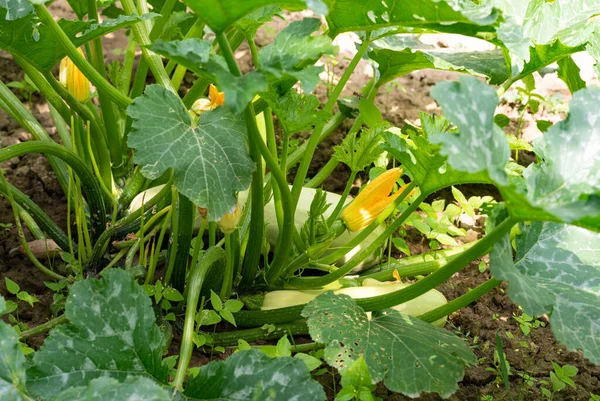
(74, 80)
(230, 221)
(372, 201)
(216, 98)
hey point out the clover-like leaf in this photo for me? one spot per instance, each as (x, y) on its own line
(252, 375)
(296, 112)
(426, 166)
(400, 55)
(112, 332)
(409, 355)
(445, 16)
(109, 389)
(480, 145)
(12, 363)
(556, 270)
(210, 161)
(220, 14)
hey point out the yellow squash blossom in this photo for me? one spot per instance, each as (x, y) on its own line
(372, 201)
(215, 99)
(74, 80)
(230, 221)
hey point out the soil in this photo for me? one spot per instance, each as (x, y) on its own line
(478, 323)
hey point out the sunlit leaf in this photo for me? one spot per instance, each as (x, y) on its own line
(210, 161)
(402, 54)
(400, 350)
(220, 14)
(252, 375)
(112, 332)
(296, 112)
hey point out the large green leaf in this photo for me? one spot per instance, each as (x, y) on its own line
(36, 43)
(535, 23)
(296, 112)
(16, 9)
(426, 166)
(210, 161)
(403, 54)
(109, 389)
(220, 14)
(555, 189)
(480, 145)
(12, 363)
(556, 270)
(252, 375)
(112, 332)
(293, 49)
(295, 45)
(409, 355)
(249, 24)
(359, 15)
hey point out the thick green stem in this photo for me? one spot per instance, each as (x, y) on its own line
(84, 66)
(316, 134)
(196, 280)
(40, 217)
(182, 228)
(154, 60)
(323, 174)
(338, 208)
(90, 184)
(104, 239)
(109, 117)
(43, 328)
(460, 302)
(417, 265)
(15, 207)
(284, 315)
(232, 247)
(18, 111)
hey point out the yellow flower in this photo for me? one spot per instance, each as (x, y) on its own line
(230, 221)
(73, 79)
(215, 99)
(372, 201)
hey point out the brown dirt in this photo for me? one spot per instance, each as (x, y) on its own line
(477, 323)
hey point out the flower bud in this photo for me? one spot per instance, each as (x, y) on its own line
(74, 80)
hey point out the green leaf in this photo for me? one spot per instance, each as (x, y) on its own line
(215, 301)
(2, 305)
(296, 112)
(400, 55)
(358, 153)
(36, 43)
(295, 45)
(357, 375)
(172, 294)
(569, 72)
(356, 15)
(112, 332)
(480, 145)
(109, 389)
(210, 162)
(310, 361)
(556, 270)
(207, 317)
(233, 305)
(249, 24)
(30, 299)
(401, 244)
(220, 14)
(16, 9)
(426, 166)
(252, 375)
(11, 286)
(401, 350)
(369, 112)
(228, 316)
(12, 364)
(284, 348)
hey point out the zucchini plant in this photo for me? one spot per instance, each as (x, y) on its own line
(184, 193)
